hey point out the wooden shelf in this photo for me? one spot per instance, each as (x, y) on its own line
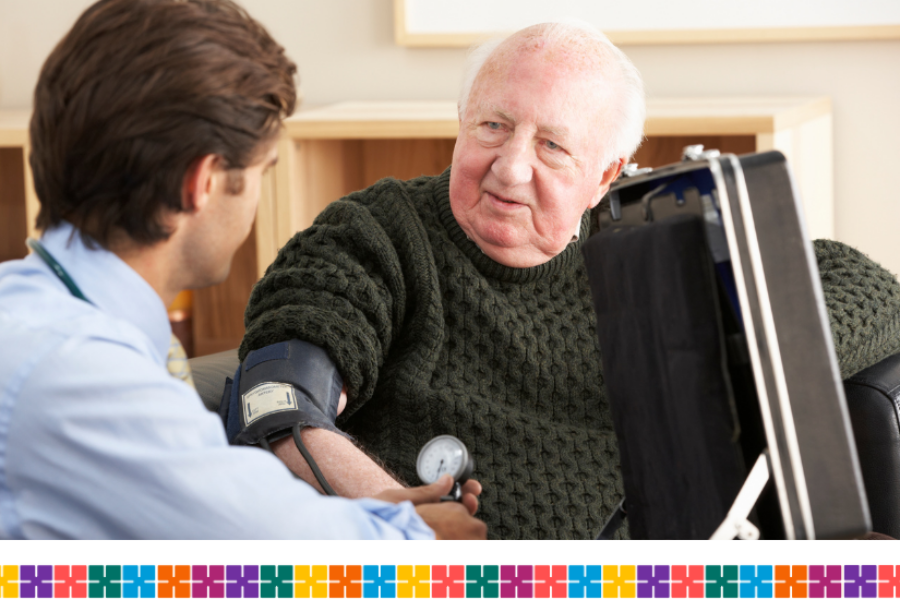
(376, 120)
(14, 128)
(731, 116)
(18, 202)
(328, 152)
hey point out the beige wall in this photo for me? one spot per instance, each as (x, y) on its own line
(345, 51)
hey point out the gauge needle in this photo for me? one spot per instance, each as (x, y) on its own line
(440, 466)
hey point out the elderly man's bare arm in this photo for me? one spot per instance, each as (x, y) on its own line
(348, 469)
(354, 475)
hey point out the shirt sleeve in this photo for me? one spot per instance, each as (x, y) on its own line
(341, 285)
(108, 445)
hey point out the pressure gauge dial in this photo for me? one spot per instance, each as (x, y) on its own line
(444, 454)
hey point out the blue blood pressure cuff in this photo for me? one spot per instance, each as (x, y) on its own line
(276, 388)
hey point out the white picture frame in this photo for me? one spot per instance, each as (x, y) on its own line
(460, 23)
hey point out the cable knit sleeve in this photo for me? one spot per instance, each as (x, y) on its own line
(863, 302)
(340, 285)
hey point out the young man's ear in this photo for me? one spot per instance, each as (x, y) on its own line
(199, 183)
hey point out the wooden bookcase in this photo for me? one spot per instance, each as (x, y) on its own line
(330, 151)
(18, 202)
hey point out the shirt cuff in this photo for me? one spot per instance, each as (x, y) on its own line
(397, 521)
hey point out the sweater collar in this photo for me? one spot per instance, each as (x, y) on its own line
(487, 266)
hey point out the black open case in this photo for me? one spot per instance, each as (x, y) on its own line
(718, 358)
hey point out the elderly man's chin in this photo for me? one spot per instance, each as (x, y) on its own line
(512, 245)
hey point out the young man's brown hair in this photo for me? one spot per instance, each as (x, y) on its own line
(134, 94)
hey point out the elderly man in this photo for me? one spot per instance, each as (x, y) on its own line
(459, 304)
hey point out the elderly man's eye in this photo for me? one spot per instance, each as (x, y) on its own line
(553, 145)
(494, 126)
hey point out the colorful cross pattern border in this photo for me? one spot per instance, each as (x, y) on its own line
(449, 581)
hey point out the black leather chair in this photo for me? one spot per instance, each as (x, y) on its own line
(209, 375)
(873, 400)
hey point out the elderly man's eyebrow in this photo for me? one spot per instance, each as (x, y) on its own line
(502, 114)
(554, 131)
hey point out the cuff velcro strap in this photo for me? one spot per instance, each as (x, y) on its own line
(279, 386)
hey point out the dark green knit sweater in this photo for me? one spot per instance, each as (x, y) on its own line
(863, 301)
(434, 337)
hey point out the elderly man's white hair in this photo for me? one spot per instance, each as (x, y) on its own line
(627, 116)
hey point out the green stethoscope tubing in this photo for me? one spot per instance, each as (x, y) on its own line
(57, 268)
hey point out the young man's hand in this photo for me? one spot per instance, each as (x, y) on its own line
(449, 520)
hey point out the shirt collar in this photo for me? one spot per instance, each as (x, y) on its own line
(576, 233)
(110, 284)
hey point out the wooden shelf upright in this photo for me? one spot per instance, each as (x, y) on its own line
(18, 202)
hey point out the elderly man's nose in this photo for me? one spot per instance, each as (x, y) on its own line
(513, 166)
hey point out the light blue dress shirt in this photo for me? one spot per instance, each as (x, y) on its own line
(97, 440)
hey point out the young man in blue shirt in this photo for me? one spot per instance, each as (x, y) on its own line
(153, 125)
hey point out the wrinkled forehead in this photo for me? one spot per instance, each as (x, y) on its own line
(576, 50)
(576, 58)
(539, 76)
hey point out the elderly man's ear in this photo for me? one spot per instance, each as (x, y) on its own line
(609, 175)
